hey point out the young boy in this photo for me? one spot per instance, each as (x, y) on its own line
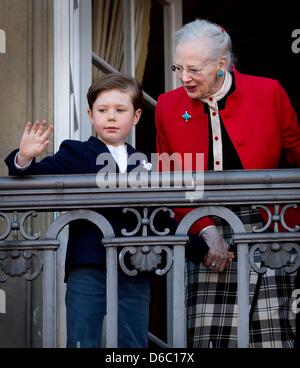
(114, 107)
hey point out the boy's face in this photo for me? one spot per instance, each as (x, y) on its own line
(113, 116)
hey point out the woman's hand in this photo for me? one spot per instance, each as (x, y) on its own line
(218, 256)
(34, 141)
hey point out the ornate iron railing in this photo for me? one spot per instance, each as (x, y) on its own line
(78, 197)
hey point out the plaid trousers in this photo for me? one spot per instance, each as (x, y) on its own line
(211, 301)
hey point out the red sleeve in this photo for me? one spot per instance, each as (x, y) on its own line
(290, 127)
(290, 133)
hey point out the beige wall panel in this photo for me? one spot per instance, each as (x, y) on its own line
(26, 94)
(25, 69)
(13, 75)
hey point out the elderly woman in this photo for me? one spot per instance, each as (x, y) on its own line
(239, 122)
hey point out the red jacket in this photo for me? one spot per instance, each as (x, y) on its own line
(258, 117)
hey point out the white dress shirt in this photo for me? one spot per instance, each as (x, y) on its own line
(120, 154)
(212, 102)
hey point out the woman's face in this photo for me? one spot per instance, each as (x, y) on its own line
(196, 70)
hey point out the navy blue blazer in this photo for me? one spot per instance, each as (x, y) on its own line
(76, 157)
(84, 244)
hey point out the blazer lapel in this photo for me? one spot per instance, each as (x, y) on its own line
(99, 148)
(135, 159)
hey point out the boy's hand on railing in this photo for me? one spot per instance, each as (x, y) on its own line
(34, 141)
(218, 257)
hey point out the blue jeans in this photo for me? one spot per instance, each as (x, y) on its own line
(86, 307)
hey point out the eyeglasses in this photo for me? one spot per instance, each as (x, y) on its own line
(178, 69)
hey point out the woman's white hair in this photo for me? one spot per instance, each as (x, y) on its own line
(202, 30)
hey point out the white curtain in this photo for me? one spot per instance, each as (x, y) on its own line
(108, 33)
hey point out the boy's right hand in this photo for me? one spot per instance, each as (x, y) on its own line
(34, 141)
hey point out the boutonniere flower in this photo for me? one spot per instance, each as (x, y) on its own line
(147, 165)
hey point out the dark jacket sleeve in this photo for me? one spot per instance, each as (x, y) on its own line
(62, 162)
(196, 248)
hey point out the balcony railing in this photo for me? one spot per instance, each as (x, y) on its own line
(78, 197)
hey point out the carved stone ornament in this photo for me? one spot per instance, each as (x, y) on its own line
(17, 263)
(275, 256)
(146, 259)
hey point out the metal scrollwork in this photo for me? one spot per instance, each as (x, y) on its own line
(145, 221)
(3, 277)
(255, 229)
(17, 225)
(151, 220)
(7, 230)
(277, 218)
(283, 223)
(146, 259)
(17, 263)
(275, 256)
(22, 230)
(28, 255)
(139, 223)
